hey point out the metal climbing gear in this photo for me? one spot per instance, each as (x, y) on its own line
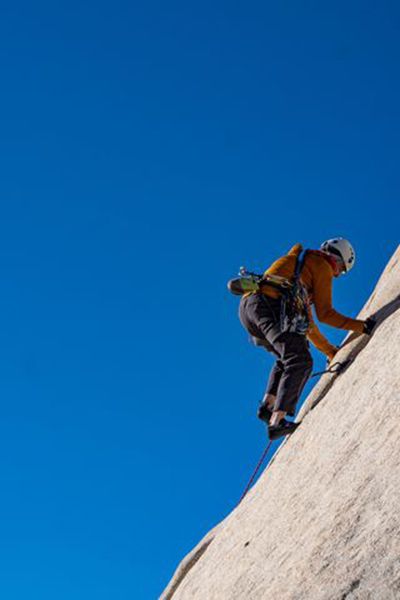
(336, 368)
(295, 305)
(249, 282)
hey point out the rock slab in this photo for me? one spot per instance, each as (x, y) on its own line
(323, 521)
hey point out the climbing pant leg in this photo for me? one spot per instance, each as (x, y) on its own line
(261, 317)
(277, 369)
(274, 378)
(296, 361)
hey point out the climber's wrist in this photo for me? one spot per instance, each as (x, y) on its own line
(331, 352)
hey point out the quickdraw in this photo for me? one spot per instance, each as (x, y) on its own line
(337, 368)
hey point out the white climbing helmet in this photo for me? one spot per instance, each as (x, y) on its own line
(342, 248)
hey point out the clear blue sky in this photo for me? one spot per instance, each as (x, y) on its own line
(147, 151)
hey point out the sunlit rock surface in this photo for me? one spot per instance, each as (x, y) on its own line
(323, 521)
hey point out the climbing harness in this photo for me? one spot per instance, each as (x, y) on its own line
(251, 283)
(295, 308)
(295, 305)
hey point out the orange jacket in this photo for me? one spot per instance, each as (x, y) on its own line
(317, 276)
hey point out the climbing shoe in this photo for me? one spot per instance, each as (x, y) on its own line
(264, 413)
(284, 428)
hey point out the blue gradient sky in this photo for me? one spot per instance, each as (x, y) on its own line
(147, 151)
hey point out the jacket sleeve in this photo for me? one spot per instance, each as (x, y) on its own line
(319, 341)
(322, 296)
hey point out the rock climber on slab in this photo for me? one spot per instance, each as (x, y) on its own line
(276, 311)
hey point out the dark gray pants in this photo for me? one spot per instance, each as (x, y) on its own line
(261, 317)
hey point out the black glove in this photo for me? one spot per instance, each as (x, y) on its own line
(369, 325)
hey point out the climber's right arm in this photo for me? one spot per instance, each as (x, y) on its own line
(322, 297)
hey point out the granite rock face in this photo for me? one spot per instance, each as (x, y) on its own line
(323, 521)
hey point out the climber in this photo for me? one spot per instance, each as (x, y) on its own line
(261, 314)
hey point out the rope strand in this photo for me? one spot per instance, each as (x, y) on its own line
(260, 462)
